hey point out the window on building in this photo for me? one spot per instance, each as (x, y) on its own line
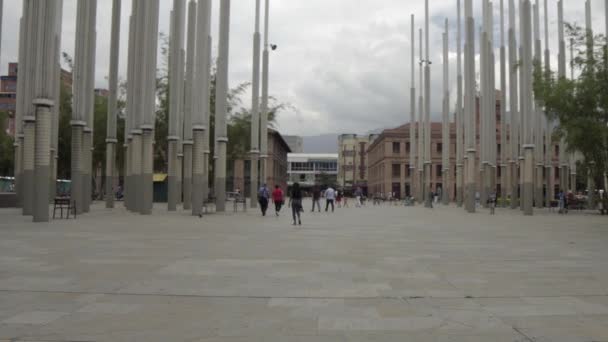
(557, 172)
(396, 170)
(407, 170)
(439, 147)
(498, 171)
(396, 147)
(498, 149)
(407, 146)
(438, 169)
(557, 150)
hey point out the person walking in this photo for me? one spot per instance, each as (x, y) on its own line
(339, 198)
(330, 197)
(316, 198)
(358, 194)
(263, 197)
(295, 202)
(492, 202)
(277, 198)
(561, 202)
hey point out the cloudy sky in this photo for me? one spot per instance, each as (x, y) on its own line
(344, 64)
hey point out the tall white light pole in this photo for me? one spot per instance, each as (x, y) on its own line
(176, 84)
(413, 140)
(561, 73)
(221, 107)
(45, 89)
(590, 46)
(255, 108)
(504, 155)
(469, 107)
(527, 110)
(513, 110)
(189, 91)
(111, 139)
(538, 116)
(549, 169)
(422, 194)
(427, 109)
(264, 105)
(445, 138)
(459, 112)
(200, 106)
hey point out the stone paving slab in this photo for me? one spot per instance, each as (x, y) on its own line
(369, 274)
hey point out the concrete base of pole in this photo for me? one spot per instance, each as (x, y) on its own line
(514, 186)
(220, 177)
(428, 201)
(179, 179)
(187, 183)
(521, 182)
(528, 178)
(147, 176)
(469, 194)
(504, 176)
(459, 183)
(172, 177)
(136, 179)
(42, 171)
(205, 177)
(539, 198)
(483, 195)
(421, 195)
(198, 172)
(126, 186)
(549, 182)
(19, 173)
(109, 188)
(86, 171)
(28, 167)
(445, 192)
(254, 180)
(76, 169)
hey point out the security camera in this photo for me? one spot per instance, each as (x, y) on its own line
(273, 47)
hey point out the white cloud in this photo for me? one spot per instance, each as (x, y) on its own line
(344, 64)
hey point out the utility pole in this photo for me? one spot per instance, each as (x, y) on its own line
(264, 105)
(459, 113)
(445, 152)
(527, 110)
(188, 109)
(427, 109)
(469, 107)
(413, 145)
(513, 109)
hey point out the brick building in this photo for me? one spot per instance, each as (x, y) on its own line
(389, 159)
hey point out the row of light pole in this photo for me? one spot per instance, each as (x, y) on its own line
(524, 129)
(188, 138)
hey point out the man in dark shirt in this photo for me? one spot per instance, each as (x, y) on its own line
(316, 198)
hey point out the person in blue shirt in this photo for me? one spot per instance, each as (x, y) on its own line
(263, 197)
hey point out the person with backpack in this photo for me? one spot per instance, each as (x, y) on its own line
(295, 202)
(263, 197)
(277, 198)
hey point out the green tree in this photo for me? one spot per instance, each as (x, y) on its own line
(580, 105)
(6, 147)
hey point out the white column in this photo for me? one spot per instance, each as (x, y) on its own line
(422, 194)
(176, 84)
(221, 106)
(111, 139)
(504, 165)
(413, 140)
(469, 106)
(527, 110)
(513, 110)
(459, 113)
(188, 92)
(264, 104)
(255, 108)
(445, 153)
(427, 109)
(20, 108)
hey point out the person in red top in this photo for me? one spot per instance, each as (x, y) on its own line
(278, 199)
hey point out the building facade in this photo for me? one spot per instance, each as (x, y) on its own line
(276, 166)
(389, 160)
(8, 93)
(352, 161)
(313, 169)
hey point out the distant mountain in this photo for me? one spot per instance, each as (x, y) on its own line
(324, 143)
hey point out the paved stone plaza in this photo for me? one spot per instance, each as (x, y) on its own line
(370, 274)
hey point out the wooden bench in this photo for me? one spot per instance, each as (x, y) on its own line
(64, 203)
